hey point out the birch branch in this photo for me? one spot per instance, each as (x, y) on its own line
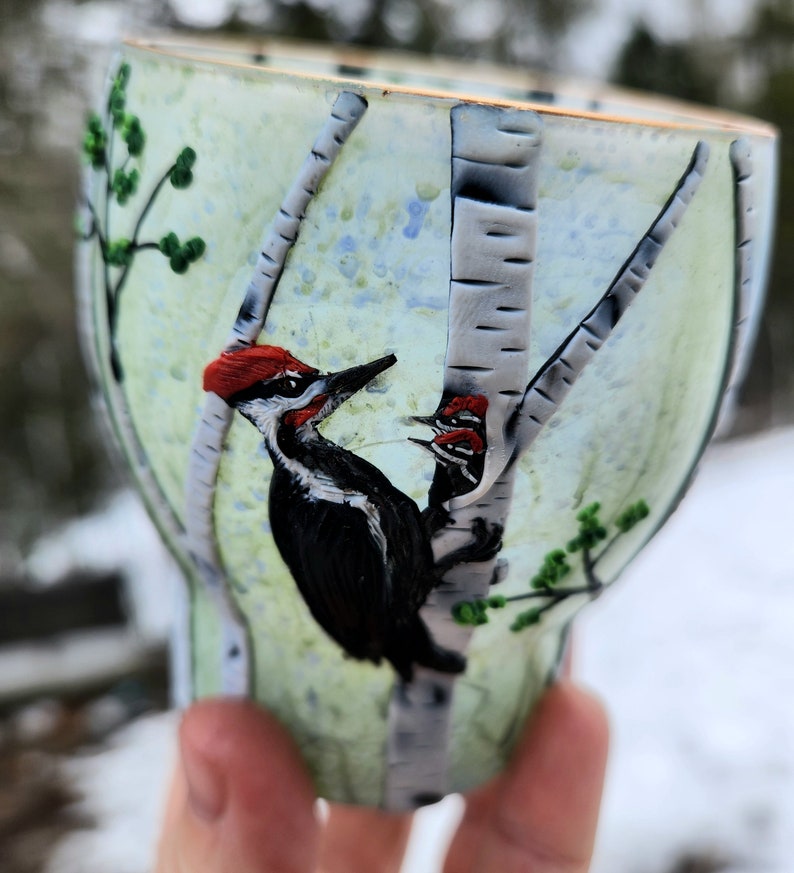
(551, 384)
(205, 456)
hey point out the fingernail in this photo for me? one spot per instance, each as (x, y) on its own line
(205, 784)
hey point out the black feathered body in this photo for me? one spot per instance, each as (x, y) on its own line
(357, 549)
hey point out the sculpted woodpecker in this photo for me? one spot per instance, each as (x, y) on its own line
(356, 546)
(459, 446)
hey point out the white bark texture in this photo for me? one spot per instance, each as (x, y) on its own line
(205, 457)
(495, 154)
(420, 713)
(744, 266)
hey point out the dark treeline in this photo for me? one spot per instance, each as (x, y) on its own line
(53, 463)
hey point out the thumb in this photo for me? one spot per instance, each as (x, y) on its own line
(241, 800)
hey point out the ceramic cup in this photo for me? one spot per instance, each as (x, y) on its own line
(408, 361)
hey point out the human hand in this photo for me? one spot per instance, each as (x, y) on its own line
(243, 802)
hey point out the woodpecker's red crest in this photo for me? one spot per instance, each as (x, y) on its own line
(235, 371)
(460, 436)
(474, 403)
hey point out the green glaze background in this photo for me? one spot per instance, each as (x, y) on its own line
(369, 275)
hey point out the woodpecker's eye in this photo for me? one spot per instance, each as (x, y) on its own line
(289, 386)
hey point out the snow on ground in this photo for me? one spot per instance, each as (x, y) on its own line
(692, 653)
(124, 791)
(120, 538)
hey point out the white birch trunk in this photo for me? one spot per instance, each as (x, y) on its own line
(495, 154)
(420, 713)
(201, 543)
(745, 218)
(744, 273)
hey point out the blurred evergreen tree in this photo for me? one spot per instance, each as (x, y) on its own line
(649, 64)
(752, 73)
(52, 463)
(497, 30)
(769, 48)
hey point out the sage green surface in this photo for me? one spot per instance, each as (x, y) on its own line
(369, 275)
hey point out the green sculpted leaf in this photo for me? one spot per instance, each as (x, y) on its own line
(133, 135)
(123, 183)
(555, 567)
(181, 177)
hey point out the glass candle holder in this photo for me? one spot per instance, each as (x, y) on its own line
(408, 360)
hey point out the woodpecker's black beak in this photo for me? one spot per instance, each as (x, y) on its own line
(347, 382)
(428, 420)
(338, 387)
(425, 444)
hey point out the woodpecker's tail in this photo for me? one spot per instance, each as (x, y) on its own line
(411, 644)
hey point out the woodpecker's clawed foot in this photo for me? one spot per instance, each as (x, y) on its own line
(434, 518)
(486, 542)
(500, 571)
(484, 546)
(432, 657)
(443, 660)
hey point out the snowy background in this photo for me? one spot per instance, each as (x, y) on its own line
(692, 652)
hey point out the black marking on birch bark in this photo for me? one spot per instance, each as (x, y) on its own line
(463, 368)
(205, 457)
(519, 131)
(478, 283)
(491, 252)
(321, 157)
(248, 309)
(543, 394)
(491, 165)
